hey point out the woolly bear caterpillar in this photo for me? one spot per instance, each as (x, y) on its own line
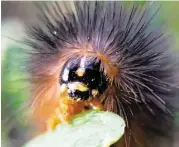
(115, 42)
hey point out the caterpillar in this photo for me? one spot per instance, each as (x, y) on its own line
(106, 56)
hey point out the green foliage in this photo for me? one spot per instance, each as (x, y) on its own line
(13, 93)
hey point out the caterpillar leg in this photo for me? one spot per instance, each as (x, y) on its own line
(52, 122)
(55, 119)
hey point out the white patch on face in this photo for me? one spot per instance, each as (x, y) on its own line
(65, 74)
(71, 87)
(82, 63)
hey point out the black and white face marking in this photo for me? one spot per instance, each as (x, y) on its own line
(83, 78)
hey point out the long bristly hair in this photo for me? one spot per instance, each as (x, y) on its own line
(136, 59)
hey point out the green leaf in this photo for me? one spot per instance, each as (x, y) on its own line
(89, 129)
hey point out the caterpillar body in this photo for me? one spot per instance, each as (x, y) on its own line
(102, 55)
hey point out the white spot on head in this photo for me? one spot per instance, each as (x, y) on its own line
(82, 63)
(65, 74)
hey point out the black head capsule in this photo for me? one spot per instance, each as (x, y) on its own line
(83, 78)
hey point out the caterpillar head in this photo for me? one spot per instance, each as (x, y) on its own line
(83, 78)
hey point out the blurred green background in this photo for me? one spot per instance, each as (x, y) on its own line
(15, 90)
